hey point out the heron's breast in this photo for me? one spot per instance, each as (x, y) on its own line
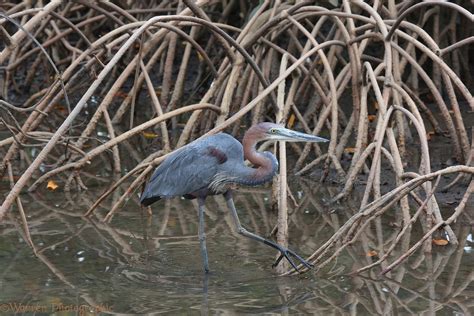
(221, 183)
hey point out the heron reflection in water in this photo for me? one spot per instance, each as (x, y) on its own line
(212, 164)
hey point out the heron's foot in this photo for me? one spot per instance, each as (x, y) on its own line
(287, 253)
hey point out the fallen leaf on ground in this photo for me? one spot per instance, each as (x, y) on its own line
(121, 94)
(371, 253)
(149, 135)
(291, 121)
(158, 91)
(60, 108)
(440, 242)
(52, 185)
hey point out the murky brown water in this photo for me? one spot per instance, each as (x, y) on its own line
(140, 264)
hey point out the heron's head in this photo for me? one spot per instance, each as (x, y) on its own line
(275, 132)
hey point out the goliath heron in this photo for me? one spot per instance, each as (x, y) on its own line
(210, 165)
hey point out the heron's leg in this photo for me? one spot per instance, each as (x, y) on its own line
(202, 235)
(241, 230)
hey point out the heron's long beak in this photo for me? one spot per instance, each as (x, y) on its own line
(288, 135)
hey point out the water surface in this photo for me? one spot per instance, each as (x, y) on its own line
(151, 264)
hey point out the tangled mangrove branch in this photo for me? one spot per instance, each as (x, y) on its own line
(83, 82)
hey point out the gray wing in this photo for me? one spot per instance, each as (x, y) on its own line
(188, 170)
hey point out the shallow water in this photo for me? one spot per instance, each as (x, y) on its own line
(142, 264)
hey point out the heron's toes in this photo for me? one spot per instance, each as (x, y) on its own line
(307, 264)
(287, 253)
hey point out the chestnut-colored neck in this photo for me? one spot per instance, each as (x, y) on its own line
(249, 143)
(265, 163)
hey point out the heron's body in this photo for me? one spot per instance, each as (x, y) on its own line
(205, 167)
(212, 164)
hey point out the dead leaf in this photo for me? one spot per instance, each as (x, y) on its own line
(52, 185)
(429, 135)
(349, 150)
(149, 135)
(60, 108)
(440, 242)
(291, 121)
(158, 91)
(121, 94)
(371, 117)
(372, 253)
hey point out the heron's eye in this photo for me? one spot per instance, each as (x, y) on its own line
(273, 130)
